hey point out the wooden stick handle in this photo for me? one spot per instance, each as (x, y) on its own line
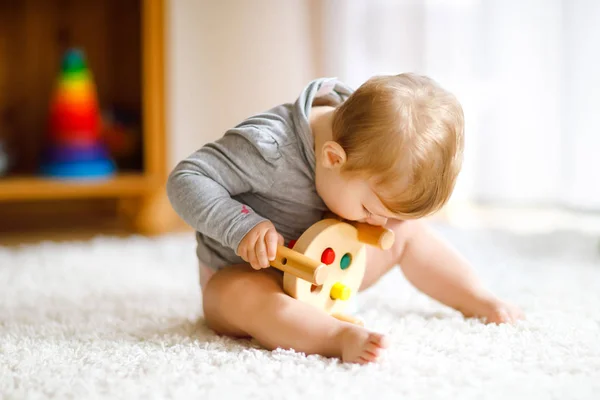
(377, 236)
(297, 264)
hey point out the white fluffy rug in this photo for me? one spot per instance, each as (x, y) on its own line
(121, 318)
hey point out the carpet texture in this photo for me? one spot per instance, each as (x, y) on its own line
(121, 318)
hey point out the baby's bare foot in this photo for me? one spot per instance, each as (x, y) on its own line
(495, 311)
(362, 346)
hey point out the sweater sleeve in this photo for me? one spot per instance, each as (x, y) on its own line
(201, 187)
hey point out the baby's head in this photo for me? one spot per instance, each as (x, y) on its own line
(396, 150)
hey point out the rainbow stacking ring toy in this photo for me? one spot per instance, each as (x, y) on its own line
(75, 148)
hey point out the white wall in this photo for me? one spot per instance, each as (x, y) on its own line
(229, 59)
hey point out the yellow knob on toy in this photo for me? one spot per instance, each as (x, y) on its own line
(340, 291)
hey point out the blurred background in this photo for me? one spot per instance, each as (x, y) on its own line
(525, 72)
(170, 76)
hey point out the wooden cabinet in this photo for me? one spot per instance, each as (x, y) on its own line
(124, 45)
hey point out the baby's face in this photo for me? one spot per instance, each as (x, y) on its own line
(351, 198)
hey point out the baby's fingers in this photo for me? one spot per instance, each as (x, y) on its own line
(252, 253)
(261, 253)
(272, 239)
(243, 252)
(252, 259)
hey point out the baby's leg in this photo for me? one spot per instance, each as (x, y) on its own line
(205, 274)
(379, 262)
(239, 301)
(436, 269)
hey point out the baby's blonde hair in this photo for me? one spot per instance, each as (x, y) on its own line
(405, 134)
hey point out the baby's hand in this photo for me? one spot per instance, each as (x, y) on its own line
(500, 312)
(259, 246)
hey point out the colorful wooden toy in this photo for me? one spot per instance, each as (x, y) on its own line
(75, 148)
(327, 263)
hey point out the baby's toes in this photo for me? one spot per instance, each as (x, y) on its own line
(499, 316)
(361, 346)
(379, 340)
(372, 352)
(517, 314)
(362, 360)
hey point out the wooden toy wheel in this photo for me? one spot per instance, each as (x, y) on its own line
(335, 244)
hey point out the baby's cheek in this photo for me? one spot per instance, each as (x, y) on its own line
(350, 213)
(343, 203)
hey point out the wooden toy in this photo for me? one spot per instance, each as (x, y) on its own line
(326, 265)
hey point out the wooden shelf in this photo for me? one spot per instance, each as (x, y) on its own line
(40, 188)
(124, 43)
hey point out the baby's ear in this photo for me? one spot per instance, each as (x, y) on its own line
(334, 155)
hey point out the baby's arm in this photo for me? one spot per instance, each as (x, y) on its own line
(201, 187)
(439, 271)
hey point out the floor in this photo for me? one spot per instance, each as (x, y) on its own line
(120, 317)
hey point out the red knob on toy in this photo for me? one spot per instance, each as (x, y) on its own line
(328, 256)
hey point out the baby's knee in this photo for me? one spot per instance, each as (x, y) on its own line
(237, 287)
(226, 285)
(222, 300)
(404, 231)
(232, 295)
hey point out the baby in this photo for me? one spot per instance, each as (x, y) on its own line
(386, 154)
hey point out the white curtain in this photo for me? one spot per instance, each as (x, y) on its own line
(527, 73)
